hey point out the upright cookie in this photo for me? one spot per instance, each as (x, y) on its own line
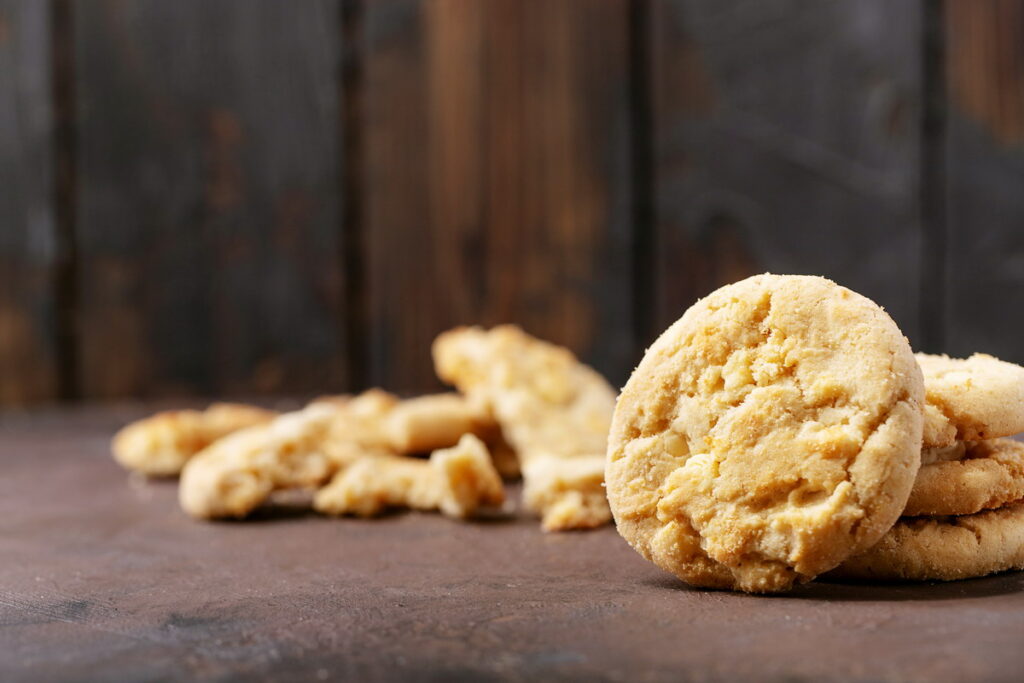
(981, 397)
(990, 474)
(943, 548)
(769, 434)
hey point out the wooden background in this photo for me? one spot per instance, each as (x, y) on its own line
(204, 197)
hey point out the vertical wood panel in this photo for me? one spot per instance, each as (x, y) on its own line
(985, 167)
(209, 216)
(497, 185)
(28, 239)
(787, 139)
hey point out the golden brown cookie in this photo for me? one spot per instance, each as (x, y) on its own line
(567, 493)
(458, 481)
(991, 474)
(306, 448)
(161, 444)
(943, 548)
(549, 406)
(939, 432)
(934, 454)
(426, 423)
(981, 397)
(238, 473)
(769, 434)
(379, 419)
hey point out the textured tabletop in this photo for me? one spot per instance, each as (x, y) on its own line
(103, 578)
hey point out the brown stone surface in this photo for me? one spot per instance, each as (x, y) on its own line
(103, 578)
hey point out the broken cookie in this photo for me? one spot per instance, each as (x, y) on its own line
(548, 404)
(457, 481)
(160, 445)
(236, 474)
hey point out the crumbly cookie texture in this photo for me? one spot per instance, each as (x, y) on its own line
(548, 404)
(304, 449)
(238, 473)
(769, 434)
(379, 419)
(567, 493)
(424, 424)
(361, 420)
(982, 397)
(934, 454)
(160, 445)
(458, 481)
(939, 432)
(991, 474)
(943, 548)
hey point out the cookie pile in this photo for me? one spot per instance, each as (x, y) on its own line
(777, 431)
(965, 516)
(525, 407)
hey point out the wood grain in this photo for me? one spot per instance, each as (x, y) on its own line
(497, 185)
(28, 230)
(208, 219)
(787, 139)
(985, 167)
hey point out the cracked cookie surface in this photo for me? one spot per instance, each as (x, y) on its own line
(769, 434)
(944, 548)
(980, 397)
(989, 474)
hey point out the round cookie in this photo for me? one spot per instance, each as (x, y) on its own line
(770, 433)
(944, 548)
(982, 397)
(991, 474)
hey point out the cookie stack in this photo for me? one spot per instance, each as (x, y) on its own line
(965, 516)
(777, 430)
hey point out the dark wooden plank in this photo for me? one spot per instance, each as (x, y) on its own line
(787, 140)
(209, 214)
(985, 169)
(107, 580)
(497, 185)
(28, 227)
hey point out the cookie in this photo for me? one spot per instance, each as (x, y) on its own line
(458, 481)
(981, 397)
(160, 445)
(236, 474)
(943, 548)
(304, 449)
(770, 433)
(549, 405)
(423, 424)
(939, 432)
(934, 454)
(567, 493)
(991, 474)
(427, 423)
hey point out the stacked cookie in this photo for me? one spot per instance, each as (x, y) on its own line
(777, 430)
(965, 516)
